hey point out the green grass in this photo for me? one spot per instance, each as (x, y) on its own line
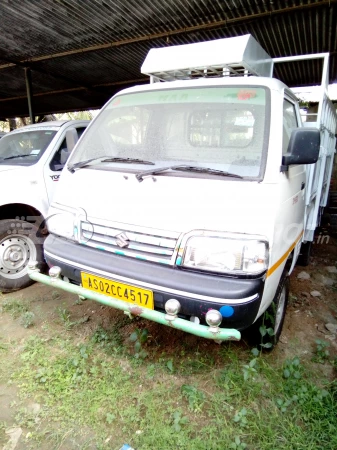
(18, 309)
(98, 394)
(101, 390)
(14, 307)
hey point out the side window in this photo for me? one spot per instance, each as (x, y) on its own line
(289, 123)
(80, 131)
(62, 154)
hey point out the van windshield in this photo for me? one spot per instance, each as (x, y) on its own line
(24, 148)
(222, 128)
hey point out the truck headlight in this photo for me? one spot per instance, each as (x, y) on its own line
(233, 255)
(62, 222)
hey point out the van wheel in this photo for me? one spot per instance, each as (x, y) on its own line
(305, 253)
(266, 331)
(19, 244)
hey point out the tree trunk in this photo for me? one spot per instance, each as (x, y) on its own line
(12, 124)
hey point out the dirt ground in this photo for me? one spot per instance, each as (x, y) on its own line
(312, 308)
(311, 315)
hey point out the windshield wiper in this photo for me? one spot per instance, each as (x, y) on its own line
(13, 157)
(128, 160)
(84, 163)
(81, 164)
(208, 170)
(187, 168)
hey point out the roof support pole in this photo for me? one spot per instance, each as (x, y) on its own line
(28, 76)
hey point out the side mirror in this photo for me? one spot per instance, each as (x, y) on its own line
(71, 138)
(303, 147)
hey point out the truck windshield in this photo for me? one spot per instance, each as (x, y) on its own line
(221, 128)
(24, 148)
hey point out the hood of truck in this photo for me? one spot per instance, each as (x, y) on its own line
(6, 168)
(171, 203)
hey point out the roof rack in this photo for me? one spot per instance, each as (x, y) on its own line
(203, 72)
(230, 57)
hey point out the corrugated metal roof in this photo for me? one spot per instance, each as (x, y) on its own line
(81, 52)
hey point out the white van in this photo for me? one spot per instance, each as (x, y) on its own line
(187, 200)
(31, 160)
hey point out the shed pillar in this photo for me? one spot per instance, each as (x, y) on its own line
(28, 76)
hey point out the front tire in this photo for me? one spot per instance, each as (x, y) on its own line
(266, 330)
(19, 245)
(305, 254)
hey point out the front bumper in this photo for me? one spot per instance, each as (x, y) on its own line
(214, 333)
(238, 300)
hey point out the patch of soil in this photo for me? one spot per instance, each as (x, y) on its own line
(308, 314)
(8, 394)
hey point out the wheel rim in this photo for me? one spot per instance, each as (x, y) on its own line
(15, 254)
(280, 309)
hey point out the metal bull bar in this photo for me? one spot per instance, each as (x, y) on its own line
(170, 319)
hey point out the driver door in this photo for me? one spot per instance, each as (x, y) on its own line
(56, 163)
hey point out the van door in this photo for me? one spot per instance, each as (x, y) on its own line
(55, 164)
(292, 184)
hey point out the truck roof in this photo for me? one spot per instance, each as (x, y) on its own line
(271, 83)
(51, 125)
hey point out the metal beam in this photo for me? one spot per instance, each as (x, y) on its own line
(165, 34)
(80, 88)
(37, 68)
(28, 76)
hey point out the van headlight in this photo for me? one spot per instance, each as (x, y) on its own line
(62, 221)
(232, 255)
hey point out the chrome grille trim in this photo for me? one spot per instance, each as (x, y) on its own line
(144, 243)
(112, 242)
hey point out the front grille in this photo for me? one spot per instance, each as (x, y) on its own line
(143, 243)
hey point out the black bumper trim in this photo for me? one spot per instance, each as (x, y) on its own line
(243, 295)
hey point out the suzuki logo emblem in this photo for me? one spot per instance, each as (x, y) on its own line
(122, 240)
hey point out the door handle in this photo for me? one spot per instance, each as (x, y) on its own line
(302, 185)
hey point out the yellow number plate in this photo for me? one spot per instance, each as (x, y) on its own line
(130, 294)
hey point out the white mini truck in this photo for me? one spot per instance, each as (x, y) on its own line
(31, 159)
(187, 200)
